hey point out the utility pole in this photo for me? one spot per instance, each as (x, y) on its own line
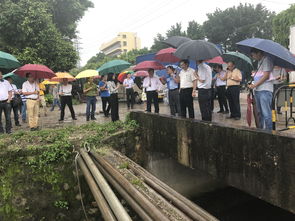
(292, 49)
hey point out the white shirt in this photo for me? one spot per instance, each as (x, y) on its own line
(28, 87)
(4, 89)
(128, 82)
(152, 84)
(205, 74)
(220, 82)
(65, 90)
(112, 87)
(187, 77)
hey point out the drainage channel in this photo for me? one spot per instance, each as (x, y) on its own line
(150, 198)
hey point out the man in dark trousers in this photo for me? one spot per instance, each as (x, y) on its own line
(152, 85)
(204, 78)
(188, 84)
(234, 78)
(5, 99)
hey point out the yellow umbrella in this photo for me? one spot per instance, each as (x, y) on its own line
(62, 75)
(87, 74)
(46, 82)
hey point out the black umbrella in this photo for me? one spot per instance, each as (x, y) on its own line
(176, 41)
(197, 50)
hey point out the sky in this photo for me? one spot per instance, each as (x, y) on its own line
(147, 18)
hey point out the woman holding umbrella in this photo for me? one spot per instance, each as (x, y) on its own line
(128, 84)
(114, 103)
(65, 92)
(105, 95)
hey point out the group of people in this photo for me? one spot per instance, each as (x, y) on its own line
(182, 87)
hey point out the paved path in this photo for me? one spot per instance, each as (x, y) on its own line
(52, 119)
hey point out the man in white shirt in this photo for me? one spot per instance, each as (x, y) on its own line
(188, 84)
(15, 102)
(128, 84)
(5, 99)
(30, 89)
(65, 92)
(204, 78)
(152, 85)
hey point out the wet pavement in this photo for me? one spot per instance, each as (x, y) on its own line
(51, 120)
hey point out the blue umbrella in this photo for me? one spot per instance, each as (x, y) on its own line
(280, 55)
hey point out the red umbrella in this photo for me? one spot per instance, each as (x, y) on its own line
(166, 55)
(39, 71)
(251, 103)
(145, 65)
(141, 74)
(122, 76)
(216, 60)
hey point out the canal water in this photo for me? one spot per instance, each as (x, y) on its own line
(224, 202)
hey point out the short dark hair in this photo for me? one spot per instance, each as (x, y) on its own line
(151, 69)
(255, 50)
(8, 78)
(185, 61)
(219, 66)
(110, 77)
(171, 67)
(28, 74)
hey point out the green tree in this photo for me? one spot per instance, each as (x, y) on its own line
(195, 31)
(29, 32)
(130, 56)
(175, 30)
(238, 23)
(281, 25)
(66, 13)
(158, 43)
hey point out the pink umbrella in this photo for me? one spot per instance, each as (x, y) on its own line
(141, 74)
(166, 55)
(39, 71)
(216, 60)
(145, 65)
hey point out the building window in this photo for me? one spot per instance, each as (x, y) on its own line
(124, 43)
(124, 36)
(125, 50)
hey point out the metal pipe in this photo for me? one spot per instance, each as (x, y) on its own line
(170, 197)
(100, 200)
(113, 201)
(150, 208)
(190, 204)
(143, 215)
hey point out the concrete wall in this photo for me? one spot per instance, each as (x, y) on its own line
(259, 163)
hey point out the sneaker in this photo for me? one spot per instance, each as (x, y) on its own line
(61, 120)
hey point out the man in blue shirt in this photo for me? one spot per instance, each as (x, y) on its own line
(173, 87)
(105, 96)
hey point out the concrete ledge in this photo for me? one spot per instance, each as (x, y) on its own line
(257, 162)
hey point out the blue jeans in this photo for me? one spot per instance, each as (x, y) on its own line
(24, 111)
(55, 102)
(91, 103)
(263, 104)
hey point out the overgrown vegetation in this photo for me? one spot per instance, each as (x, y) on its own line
(42, 162)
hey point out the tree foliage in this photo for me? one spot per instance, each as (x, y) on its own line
(28, 31)
(238, 23)
(281, 25)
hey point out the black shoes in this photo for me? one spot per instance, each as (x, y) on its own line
(18, 125)
(75, 118)
(220, 112)
(93, 118)
(61, 120)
